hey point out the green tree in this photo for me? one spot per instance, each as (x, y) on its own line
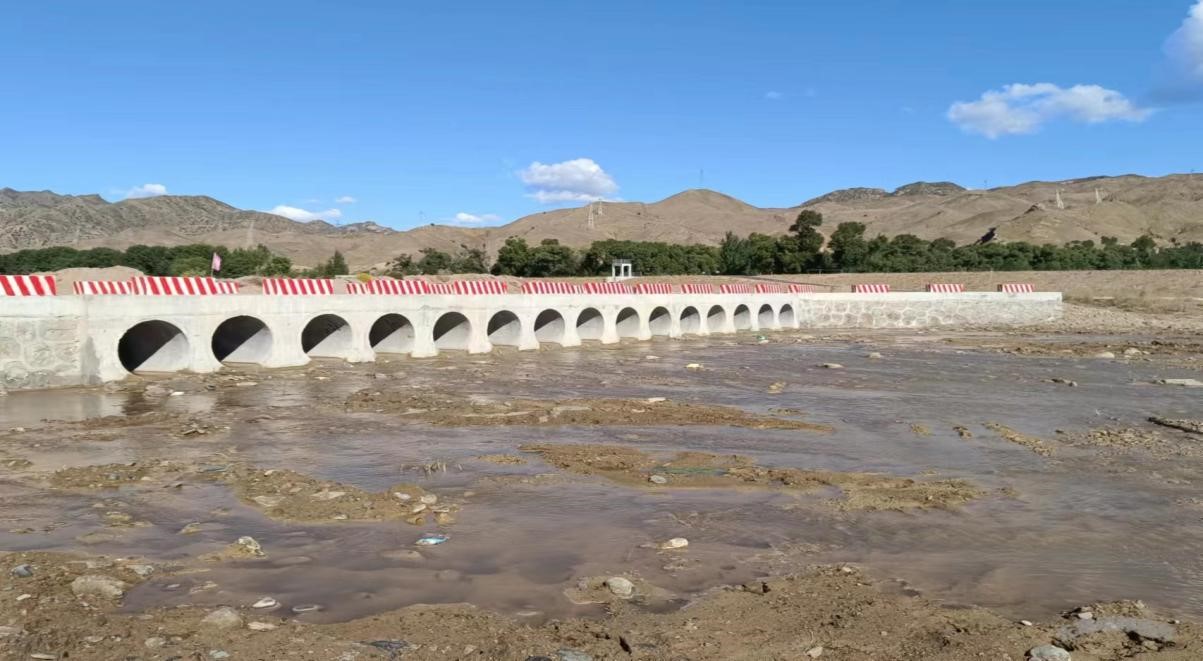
(512, 257)
(434, 262)
(848, 246)
(189, 265)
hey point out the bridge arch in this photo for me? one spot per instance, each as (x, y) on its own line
(392, 333)
(743, 317)
(549, 327)
(590, 324)
(660, 321)
(242, 339)
(626, 324)
(327, 336)
(505, 329)
(691, 321)
(154, 346)
(716, 319)
(766, 318)
(786, 317)
(452, 332)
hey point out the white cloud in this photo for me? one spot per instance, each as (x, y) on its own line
(345, 199)
(146, 190)
(465, 219)
(1185, 46)
(1020, 108)
(773, 95)
(304, 215)
(578, 180)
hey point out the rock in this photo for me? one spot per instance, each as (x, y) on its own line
(21, 571)
(328, 495)
(42, 656)
(141, 570)
(776, 388)
(155, 642)
(1048, 653)
(1132, 351)
(1066, 382)
(449, 575)
(875, 356)
(572, 655)
(1187, 383)
(620, 586)
(222, 618)
(658, 479)
(98, 585)
(675, 543)
(268, 502)
(266, 602)
(218, 654)
(155, 390)
(693, 366)
(6, 631)
(1085, 615)
(191, 528)
(260, 626)
(832, 366)
(306, 608)
(815, 652)
(1103, 355)
(655, 400)
(250, 546)
(429, 499)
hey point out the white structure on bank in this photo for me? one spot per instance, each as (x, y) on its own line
(72, 340)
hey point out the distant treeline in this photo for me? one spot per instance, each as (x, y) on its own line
(802, 250)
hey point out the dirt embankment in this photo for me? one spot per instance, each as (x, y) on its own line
(457, 411)
(859, 491)
(69, 607)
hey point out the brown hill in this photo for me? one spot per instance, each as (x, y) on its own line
(1169, 208)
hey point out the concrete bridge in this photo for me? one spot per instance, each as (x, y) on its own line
(74, 340)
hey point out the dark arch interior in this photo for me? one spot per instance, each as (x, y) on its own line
(765, 317)
(392, 333)
(505, 329)
(327, 335)
(153, 346)
(743, 318)
(691, 321)
(660, 321)
(242, 339)
(590, 325)
(716, 318)
(627, 323)
(549, 327)
(786, 317)
(452, 332)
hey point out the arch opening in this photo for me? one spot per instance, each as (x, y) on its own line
(392, 333)
(660, 321)
(549, 327)
(452, 332)
(743, 318)
(590, 325)
(505, 329)
(154, 346)
(326, 336)
(766, 318)
(242, 339)
(716, 319)
(691, 321)
(626, 324)
(786, 317)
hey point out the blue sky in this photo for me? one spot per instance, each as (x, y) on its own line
(487, 111)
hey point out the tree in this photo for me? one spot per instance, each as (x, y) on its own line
(337, 265)
(848, 246)
(434, 262)
(469, 260)
(402, 265)
(550, 259)
(512, 258)
(808, 240)
(189, 265)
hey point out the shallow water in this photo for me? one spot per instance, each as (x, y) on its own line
(1071, 529)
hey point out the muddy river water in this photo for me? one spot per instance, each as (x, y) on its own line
(1066, 521)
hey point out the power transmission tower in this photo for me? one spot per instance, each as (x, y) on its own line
(1098, 196)
(1060, 202)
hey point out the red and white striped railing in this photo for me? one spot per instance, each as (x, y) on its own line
(764, 288)
(606, 288)
(653, 288)
(297, 286)
(149, 285)
(389, 287)
(945, 288)
(101, 287)
(803, 289)
(871, 289)
(28, 285)
(697, 288)
(473, 287)
(737, 289)
(1017, 288)
(441, 288)
(548, 287)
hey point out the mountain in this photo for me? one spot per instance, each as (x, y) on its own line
(1169, 208)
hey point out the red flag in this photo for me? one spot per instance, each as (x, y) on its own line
(216, 262)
